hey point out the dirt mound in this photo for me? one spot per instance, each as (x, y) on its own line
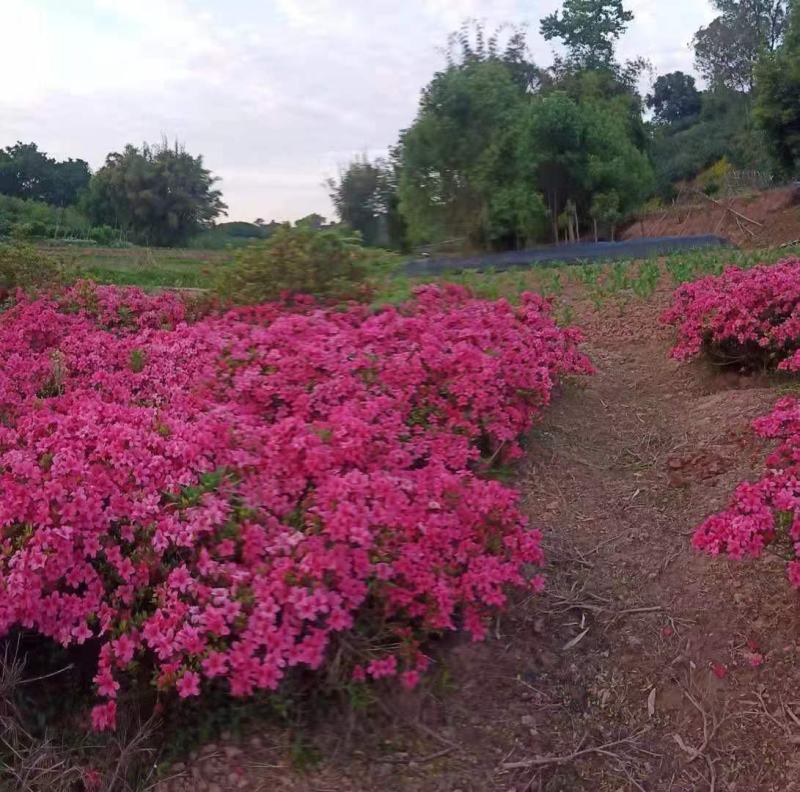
(765, 219)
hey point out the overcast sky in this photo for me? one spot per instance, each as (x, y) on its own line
(276, 94)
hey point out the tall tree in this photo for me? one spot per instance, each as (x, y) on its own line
(507, 44)
(777, 107)
(675, 97)
(589, 30)
(451, 158)
(575, 152)
(161, 195)
(365, 197)
(728, 49)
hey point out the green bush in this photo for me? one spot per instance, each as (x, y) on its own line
(325, 264)
(24, 267)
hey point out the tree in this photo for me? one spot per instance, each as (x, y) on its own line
(492, 159)
(453, 159)
(605, 210)
(161, 195)
(363, 198)
(777, 108)
(574, 151)
(728, 49)
(313, 221)
(366, 200)
(589, 30)
(26, 172)
(507, 45)
(674, 98)
(723, 128)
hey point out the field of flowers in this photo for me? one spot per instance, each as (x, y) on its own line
(225, 499)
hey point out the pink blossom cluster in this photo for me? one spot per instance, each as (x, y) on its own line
(761, 512)
(745, 316)
(222, 499)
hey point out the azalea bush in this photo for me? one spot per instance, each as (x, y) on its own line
(226, 499)
(766, 511)
(745, 317)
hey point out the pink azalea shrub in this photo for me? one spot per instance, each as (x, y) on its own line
(764, 511)
(223, 499)
(750, 317)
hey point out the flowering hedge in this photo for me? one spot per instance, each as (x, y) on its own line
(750, 317)
(222, 498)
(768, 509)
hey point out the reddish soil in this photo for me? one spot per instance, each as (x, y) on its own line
(774, 219)
(633, 671)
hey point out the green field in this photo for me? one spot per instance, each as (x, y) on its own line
(150, 268)
(159, 268)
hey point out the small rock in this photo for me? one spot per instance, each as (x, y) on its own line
(529, 721)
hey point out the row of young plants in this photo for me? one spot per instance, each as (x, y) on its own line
(228, 500)
(751, 319)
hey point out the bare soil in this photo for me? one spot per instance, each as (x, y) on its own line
(634, 671)
(773, 219)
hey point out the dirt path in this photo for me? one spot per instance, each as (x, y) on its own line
(639, 645)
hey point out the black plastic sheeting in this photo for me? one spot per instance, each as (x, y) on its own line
(646, 247)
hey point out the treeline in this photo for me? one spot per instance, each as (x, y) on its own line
(504, 153)
(725, 128)
(153, 195)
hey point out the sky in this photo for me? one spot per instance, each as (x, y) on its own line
(277, 95)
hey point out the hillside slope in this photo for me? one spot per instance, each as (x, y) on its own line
(764, 219)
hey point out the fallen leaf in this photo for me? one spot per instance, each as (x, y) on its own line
(684, 747)
(575, 641)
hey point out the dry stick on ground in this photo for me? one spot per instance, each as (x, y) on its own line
(603, 750)
(729, 209)
(711, 726)
(784, 710)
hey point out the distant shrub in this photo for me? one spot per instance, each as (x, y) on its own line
(749, 318)
(324, 264)
(24, 267)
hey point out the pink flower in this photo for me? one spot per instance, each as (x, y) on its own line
(410, 679)
(215, 665)
(104, 716)
(755, 659)
(124, 648)
(188, 685)
(359, 674)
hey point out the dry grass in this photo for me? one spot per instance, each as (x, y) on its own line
(30, 763)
